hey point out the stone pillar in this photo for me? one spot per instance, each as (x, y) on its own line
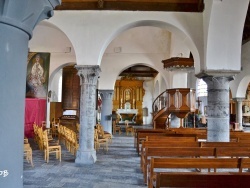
(218, 108)
(239, 111)
(89, 74)
(17, 20)
(106, 112)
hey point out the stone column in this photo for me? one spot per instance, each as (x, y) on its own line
(17, 21)
(218, 108)
(89, 74)
(106, 112)
(239, 111)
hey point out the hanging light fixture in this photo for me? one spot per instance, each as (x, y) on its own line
(179, 64)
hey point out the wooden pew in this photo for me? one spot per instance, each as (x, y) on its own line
(142, 136)
(232, 151)
(145, 131)
(244, 163)
(173, 137)
(190, 131)
(239, 136)
(173, 152)
(166, 163)
(194, 179)
(163, 144)
(224, 144)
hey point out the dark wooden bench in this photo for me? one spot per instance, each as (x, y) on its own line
(224, 144)
(190, 131)
(209, 163)
(194, 179)
(173, 152)
(143, 136)
(140, 134)
(173, 137)
(136, 131)
(163, 144)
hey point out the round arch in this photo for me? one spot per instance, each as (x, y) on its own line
(109, 82)
(242, 87)
(159, 24)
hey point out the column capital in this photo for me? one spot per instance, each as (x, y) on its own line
(217, 73)
(26, 14)
(239, 99)
(217, 82)
(89, 74)
(106, 94)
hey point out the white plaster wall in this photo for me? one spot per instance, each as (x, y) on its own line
(178, 47)
(148, 100)
(142, 40)
(179, 79)
(132, 47)
(159, 85)
(49, 38)
(191, 80)
(223, 25)
(163, 86)
(156, 89)
(55, 86)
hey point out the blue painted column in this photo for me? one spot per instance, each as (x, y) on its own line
(106, 112)
(86, 154)
(17, 20)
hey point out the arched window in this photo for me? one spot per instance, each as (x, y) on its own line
(201, 89)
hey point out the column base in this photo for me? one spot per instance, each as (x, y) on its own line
(85, 157)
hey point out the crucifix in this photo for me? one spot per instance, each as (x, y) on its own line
(197, 112)
(199, 102)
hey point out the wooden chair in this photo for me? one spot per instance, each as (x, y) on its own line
(103, 134)
(27, 151)
(128, 128)
(54, 130)
(116, 128)
(36, 137)
(78, 127)
(100, 141)
(73, 142)
(50, 148)
(61, 134)
(40, 137)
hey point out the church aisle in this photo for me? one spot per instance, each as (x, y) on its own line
(119, 167)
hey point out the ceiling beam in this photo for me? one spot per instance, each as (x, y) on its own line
(134, 5)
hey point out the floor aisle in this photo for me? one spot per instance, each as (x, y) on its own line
(118, 168)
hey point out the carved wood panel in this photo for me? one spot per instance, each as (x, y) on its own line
(70, 89)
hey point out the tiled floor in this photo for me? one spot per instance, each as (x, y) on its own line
(117, 168)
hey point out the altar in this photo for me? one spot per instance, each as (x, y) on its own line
(127, 114)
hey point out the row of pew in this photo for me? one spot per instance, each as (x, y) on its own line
(189, 150)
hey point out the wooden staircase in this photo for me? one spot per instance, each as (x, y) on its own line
(179, 101)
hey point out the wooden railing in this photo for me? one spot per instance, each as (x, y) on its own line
(179, 101)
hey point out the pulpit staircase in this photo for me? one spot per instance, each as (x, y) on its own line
(179, 101)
